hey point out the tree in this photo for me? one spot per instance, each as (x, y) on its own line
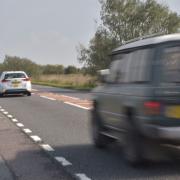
(14, 63)
(53, 69)
(123, 20)
(71, 70)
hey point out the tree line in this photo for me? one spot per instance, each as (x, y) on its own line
(122, 20)
(14, 63)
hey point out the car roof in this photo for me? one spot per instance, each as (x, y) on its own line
(13, 72)
(148, 41)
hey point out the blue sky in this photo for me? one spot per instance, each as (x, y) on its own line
(48, 31)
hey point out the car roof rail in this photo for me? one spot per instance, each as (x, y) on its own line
(144, 37)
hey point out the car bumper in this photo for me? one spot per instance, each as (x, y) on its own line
(16, 91)
(163, 134)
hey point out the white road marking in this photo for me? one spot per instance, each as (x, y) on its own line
(76, 105)
(75, 98)
(14, 120)
(5, 112)
(27, 131)
(9, 116)
(63, 161)
(20, 125)
(2, 110)
(36, 138)
(34, 90)
(47, 147)
(52, 99)
(32, 93)
(82, 176)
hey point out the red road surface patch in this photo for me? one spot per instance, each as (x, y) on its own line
(80, 102)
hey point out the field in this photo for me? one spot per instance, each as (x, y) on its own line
(73, 81)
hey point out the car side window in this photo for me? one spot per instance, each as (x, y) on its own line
(117, 69)
(139, 66)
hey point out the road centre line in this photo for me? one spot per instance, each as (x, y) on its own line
(76, 105)
(2, 110)
(75, 98)
(52, 99)
(47, 147)
(5, 112)
(63, 161)
(82, 176)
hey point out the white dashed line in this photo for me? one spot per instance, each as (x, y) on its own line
(2, 110)
(82, 176)
(27, 131)
(14, 120)
(20, 125)
(63, 161)
(47, 147)
(9, 116)
(76, 105)
(36, 138)
(52, 99)
(5, 112)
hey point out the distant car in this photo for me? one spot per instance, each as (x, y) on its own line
(138, 102)
(14, 82)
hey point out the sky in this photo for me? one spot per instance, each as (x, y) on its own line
(48, 31)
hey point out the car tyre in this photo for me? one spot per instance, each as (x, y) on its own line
(133, 146)
(28, 93)
(99, 139)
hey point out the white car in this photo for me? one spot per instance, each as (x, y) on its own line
(14, 82)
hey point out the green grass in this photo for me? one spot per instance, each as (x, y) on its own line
(71, 81)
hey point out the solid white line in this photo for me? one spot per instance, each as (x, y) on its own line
(63, 161)
(34, 90)
(14, 120)
(47, 147)
(82, 176)
(75, 98)
(36, 138)
(27, 131)
(9, 116)
(76, 105)
(52, 99)
(5, 112)
(20, 124)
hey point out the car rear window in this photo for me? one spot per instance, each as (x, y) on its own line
(14, 75)
(171, 64)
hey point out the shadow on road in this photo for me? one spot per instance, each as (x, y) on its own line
(109, 164)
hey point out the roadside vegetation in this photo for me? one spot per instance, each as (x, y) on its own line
(121, 20)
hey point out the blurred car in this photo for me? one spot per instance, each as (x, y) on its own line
(14, 82)
(138, 102)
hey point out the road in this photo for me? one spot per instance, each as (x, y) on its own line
(60, 118)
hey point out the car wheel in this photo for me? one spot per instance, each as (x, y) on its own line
(29, 94)
(133, 146)
(99, 139)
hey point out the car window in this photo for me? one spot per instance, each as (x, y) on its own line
(117, 69)
(139, 66)
(171, 64)
(132, 67)
(14, 75)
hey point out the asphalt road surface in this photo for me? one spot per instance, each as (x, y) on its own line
(58, 117)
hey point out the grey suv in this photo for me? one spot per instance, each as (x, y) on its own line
(139, 102)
